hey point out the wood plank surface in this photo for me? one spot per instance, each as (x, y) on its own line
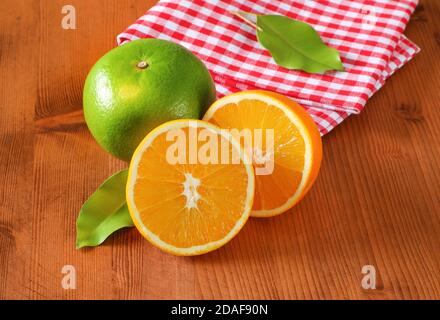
(376, 201)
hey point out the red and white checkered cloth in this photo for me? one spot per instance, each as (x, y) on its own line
(367, 33)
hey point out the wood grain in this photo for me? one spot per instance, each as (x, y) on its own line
(376, 201)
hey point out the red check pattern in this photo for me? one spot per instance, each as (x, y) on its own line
(367, 33)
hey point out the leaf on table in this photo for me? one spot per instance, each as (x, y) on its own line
(296, 45)
(104, 212)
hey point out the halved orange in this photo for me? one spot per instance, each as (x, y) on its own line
(296, 150)
(182, 203)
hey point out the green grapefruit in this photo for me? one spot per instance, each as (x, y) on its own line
(140, 85)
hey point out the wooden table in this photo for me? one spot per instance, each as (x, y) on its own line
(376, 202)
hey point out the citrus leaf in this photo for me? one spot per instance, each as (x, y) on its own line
(296, 45)
(104, 212)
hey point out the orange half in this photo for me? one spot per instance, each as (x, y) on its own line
(182, 203)
(294, 153)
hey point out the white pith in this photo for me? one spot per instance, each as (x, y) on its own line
(190, 191)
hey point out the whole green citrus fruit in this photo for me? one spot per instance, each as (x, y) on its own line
(136, 87)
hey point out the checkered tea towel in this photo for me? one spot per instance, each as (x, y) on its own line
(367, 33)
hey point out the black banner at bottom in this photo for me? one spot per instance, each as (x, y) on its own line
(217, 309)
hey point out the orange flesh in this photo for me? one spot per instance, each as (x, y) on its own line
(159, 195)
(271, 191)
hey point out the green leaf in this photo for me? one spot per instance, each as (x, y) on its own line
(296, 45)
(104, 212)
